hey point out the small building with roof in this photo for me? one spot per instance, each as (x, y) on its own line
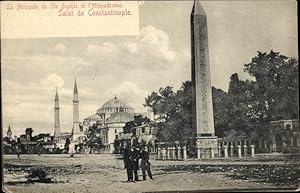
(145, 133)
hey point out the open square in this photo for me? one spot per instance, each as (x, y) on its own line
(106, 173)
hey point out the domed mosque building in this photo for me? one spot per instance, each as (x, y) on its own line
(111, 117)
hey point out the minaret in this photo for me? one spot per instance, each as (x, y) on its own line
(9, 132)
(203, 120)
(56, 116)
(76, 122)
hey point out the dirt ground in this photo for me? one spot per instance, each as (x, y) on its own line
(105, 173)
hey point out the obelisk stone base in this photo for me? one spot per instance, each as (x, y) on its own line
(206, 146)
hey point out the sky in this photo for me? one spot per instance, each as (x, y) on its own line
(134, 66)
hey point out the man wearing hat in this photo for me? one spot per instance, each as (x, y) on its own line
(145, 164)
(135, 162)
(128, 164)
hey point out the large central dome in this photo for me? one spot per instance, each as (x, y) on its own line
(115, 105)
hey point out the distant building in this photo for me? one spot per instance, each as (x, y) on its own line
(60, 140)
(43, 137)
(281, 136)
(28, 143)
(8, 142)
(95, 119)
(145, 134)
(111, 117)
(9, 133)
(285, 134)
(28, 134)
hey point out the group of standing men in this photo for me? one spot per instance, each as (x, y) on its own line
(132, 163)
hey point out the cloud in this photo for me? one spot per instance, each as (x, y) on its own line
(131, 47)
(131, 93)
(146, 60)
(30, 104)
(131, 68)
(38, 66)
(59, 49)
(105, 49)
(155, 42)
(129, 87)
(52, 80)
(149, 50)
(26, 101)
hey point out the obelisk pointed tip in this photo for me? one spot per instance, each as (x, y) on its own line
(197, 8)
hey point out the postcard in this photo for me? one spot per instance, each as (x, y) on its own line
(149, 96)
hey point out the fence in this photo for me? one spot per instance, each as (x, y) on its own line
(225, 149)
(172, 153)
(235, 148)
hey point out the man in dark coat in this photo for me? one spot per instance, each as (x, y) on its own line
(145, 164)
(135, 162)
(128, 164)
(18, 150)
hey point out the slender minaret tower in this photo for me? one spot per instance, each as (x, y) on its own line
(76, 122)
(56, 116)
(9, 132)
(203, 120)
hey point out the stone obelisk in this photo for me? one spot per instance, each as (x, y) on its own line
(203, 121)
